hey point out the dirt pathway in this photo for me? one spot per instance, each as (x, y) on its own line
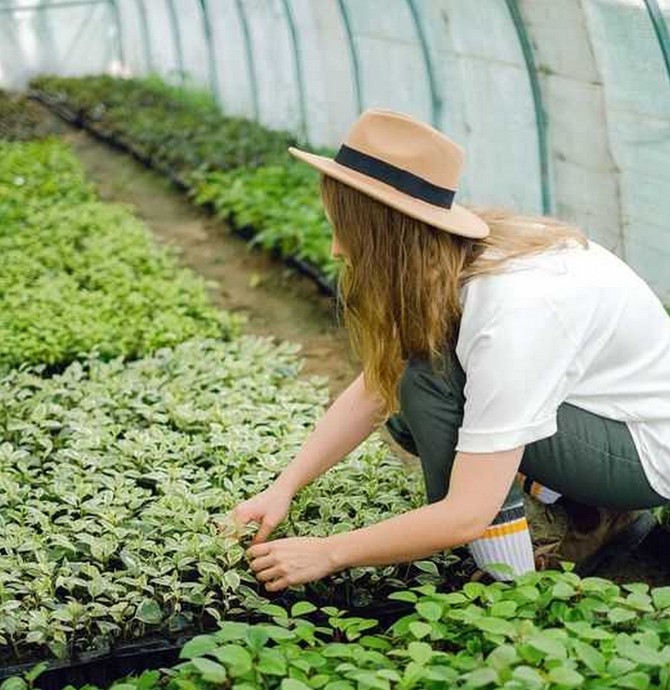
(276, 301)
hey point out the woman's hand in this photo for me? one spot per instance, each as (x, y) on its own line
(285, 562)
(268, 508)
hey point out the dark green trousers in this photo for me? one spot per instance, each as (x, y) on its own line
(590, 459)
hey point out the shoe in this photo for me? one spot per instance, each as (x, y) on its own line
(595, 535)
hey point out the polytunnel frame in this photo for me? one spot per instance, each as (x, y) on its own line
(661, 31)
(538, 104)
(353, 52)
(435, 98)
(297, 64)
(176, 39)
(211, 57)
(146, 36)
(251, 65)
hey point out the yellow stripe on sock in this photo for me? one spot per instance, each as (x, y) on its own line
(506, 528)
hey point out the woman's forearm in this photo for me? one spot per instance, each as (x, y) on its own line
(413, 535)
(346, 423)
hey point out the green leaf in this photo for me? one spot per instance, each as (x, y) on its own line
(561, 675)
(404, 596)
(661, 597)
(495, 626)
(562, 590)
(529, 677)
(198, 646)
(148, 611)
(420, 652)
(547, 645)
(273, 610)
(636, 680)
(429, 610)
(502, 656)
(231, 630)
(293, 684)
(272, 662)
(621, 615)
(36, 671)
(481, 677)
(302, 608)
(427, 567)
(590, 656)
(14, 683)
(235, 657)
(256, 637)
(503, 609)
(420, 629)
(629, 649)
(210, 670)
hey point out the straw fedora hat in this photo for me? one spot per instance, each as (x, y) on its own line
(406, 164)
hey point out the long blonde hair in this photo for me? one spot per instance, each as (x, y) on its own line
(400, 285)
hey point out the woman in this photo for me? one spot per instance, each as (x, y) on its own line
(508, 344)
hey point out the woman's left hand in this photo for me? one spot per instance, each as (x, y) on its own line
(285, 562)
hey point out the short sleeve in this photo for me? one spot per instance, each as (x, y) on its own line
(517, 366)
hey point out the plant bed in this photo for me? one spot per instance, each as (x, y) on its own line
(114, 474)
(77, 275)
(545, 630)
(279, 194)
(21, 119)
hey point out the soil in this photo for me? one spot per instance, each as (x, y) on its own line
(280, 303)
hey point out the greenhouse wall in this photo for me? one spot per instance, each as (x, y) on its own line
(563, 106)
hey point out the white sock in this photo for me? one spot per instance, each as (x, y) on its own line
(506, 541)
(538, 491)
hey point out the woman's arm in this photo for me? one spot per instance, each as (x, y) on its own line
(346, 423)
(478, 486)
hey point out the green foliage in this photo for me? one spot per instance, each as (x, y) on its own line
(177, 129)
(77, 275)
(242, 169)
(20, 118)
(113, 476)
(280, 202)
(520, 636)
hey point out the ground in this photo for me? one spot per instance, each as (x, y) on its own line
(277, 301)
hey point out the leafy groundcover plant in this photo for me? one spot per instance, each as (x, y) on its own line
(234, 166)
(547, 630)
(78, 275)
(282, 205)
(175, 127)
(20, 118)
(114, 474)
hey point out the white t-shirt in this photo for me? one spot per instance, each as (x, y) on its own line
(568, 325)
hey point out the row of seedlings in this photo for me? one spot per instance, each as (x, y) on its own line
(236, 167)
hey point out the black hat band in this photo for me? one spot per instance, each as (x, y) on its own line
(402, 180)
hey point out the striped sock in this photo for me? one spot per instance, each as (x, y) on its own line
(506, 541)
(538, 491)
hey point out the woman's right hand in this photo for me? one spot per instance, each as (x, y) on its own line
(267, 508)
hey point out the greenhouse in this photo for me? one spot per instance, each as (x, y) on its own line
(237, 240)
